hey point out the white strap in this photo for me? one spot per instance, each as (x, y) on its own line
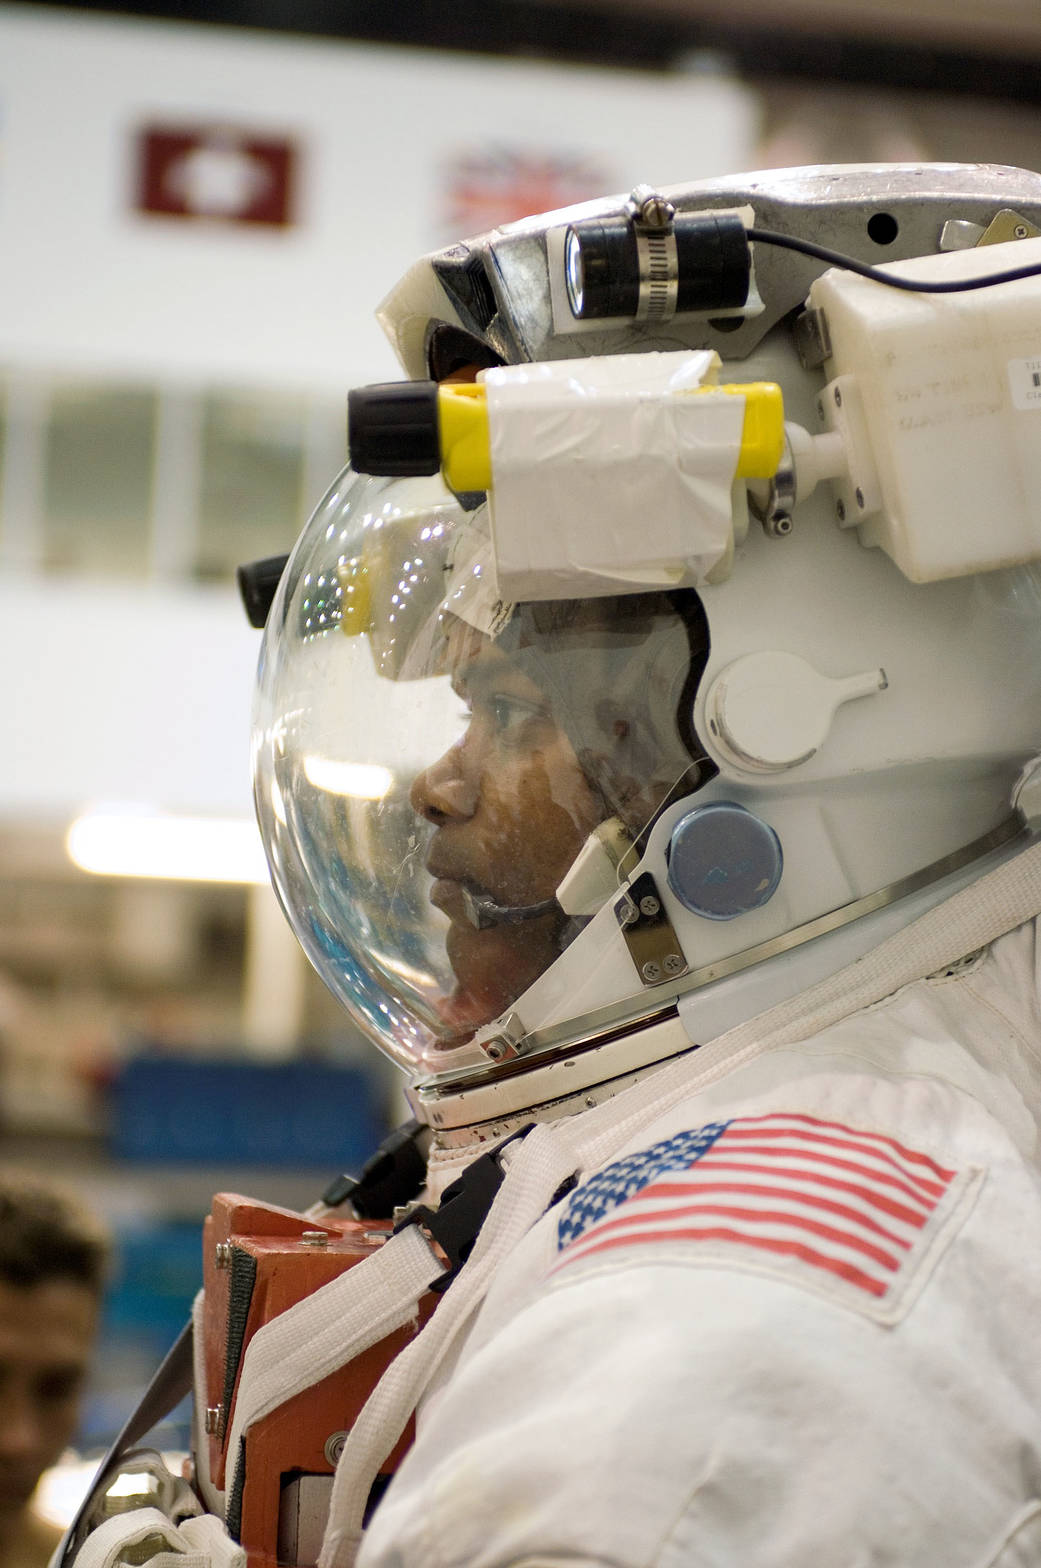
(537, 1168)
(972, 919)
(320, 1334)
(208, 1536)
(147, 1536)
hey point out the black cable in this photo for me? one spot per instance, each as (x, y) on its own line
(865, 270)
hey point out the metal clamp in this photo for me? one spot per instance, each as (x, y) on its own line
(649, 934)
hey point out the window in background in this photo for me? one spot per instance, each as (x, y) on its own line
(97, 488)
(251, 500)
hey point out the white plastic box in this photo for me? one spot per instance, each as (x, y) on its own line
(938, 398)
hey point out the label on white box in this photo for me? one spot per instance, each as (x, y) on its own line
(1024, 377)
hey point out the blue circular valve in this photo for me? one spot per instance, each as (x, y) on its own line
(723, 861)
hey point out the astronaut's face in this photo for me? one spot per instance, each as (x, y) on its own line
(510, 807)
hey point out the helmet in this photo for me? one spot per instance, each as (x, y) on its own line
(682, 652)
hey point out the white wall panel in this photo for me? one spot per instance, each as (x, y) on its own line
(86, 279)
(143, 692)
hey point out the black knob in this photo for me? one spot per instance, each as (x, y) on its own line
(257, 582)
(393, 428)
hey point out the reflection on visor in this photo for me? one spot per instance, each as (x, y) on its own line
(362, 780)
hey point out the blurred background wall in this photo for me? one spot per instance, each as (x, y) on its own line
(201, 206)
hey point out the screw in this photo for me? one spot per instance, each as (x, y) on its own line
(334, 1445)
(649, 905)
(651, 972)
(840, 511)
(673, 964)
(214, 1415)
(628, 914)
(860, 497)
(222, 1255)
(1020, 231)
(780, 526)
(656, 212)
(838, 397)
(314, 1238)
(494, 1051)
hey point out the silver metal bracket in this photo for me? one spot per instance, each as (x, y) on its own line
(649, 935)
(504, 1041)
(812, 338)
(772, 501)
(1008, 225)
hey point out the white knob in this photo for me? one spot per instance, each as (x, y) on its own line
(770, 711)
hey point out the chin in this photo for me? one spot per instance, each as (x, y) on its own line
(494, 966)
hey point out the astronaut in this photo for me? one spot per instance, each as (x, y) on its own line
(646, 750)
(664, 775)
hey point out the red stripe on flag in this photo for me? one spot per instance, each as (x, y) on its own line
(736, 1135)
(752, 1216)
(796, 1249)
(912, 1178)
(668, 1189)
(913, 1155)
(878, 1200)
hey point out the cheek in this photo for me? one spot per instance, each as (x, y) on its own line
(58, 1420)
(534, 822)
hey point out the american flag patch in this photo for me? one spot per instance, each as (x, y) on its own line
(818, 1201)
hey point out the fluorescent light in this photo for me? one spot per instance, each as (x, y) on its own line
(136, 843)
(362, 780)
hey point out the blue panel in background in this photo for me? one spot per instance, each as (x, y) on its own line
(300, 1113)
(156, 1274)
(208, 1115)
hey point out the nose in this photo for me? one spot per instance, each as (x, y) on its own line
(21, 1434)
(446, 791)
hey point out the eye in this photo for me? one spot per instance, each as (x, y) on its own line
(509, 714)
(55, 1387)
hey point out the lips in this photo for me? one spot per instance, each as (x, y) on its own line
(449, 880)
(455, 893)
(447, 895)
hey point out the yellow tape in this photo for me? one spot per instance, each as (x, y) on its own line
(466, 455)
(466, 448)
(762, 435)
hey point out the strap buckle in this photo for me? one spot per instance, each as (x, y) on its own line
(455, 1224)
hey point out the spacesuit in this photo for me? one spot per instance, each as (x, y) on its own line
(646, 750)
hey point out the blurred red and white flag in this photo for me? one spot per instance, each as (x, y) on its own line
(483, 190)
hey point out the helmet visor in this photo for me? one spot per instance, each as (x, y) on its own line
(428, 762)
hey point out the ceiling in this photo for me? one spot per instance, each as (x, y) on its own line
(990, 50)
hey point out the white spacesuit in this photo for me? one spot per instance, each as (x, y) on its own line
(660, 789)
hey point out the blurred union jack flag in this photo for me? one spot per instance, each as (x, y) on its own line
(785, 1188)
(498, 184)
